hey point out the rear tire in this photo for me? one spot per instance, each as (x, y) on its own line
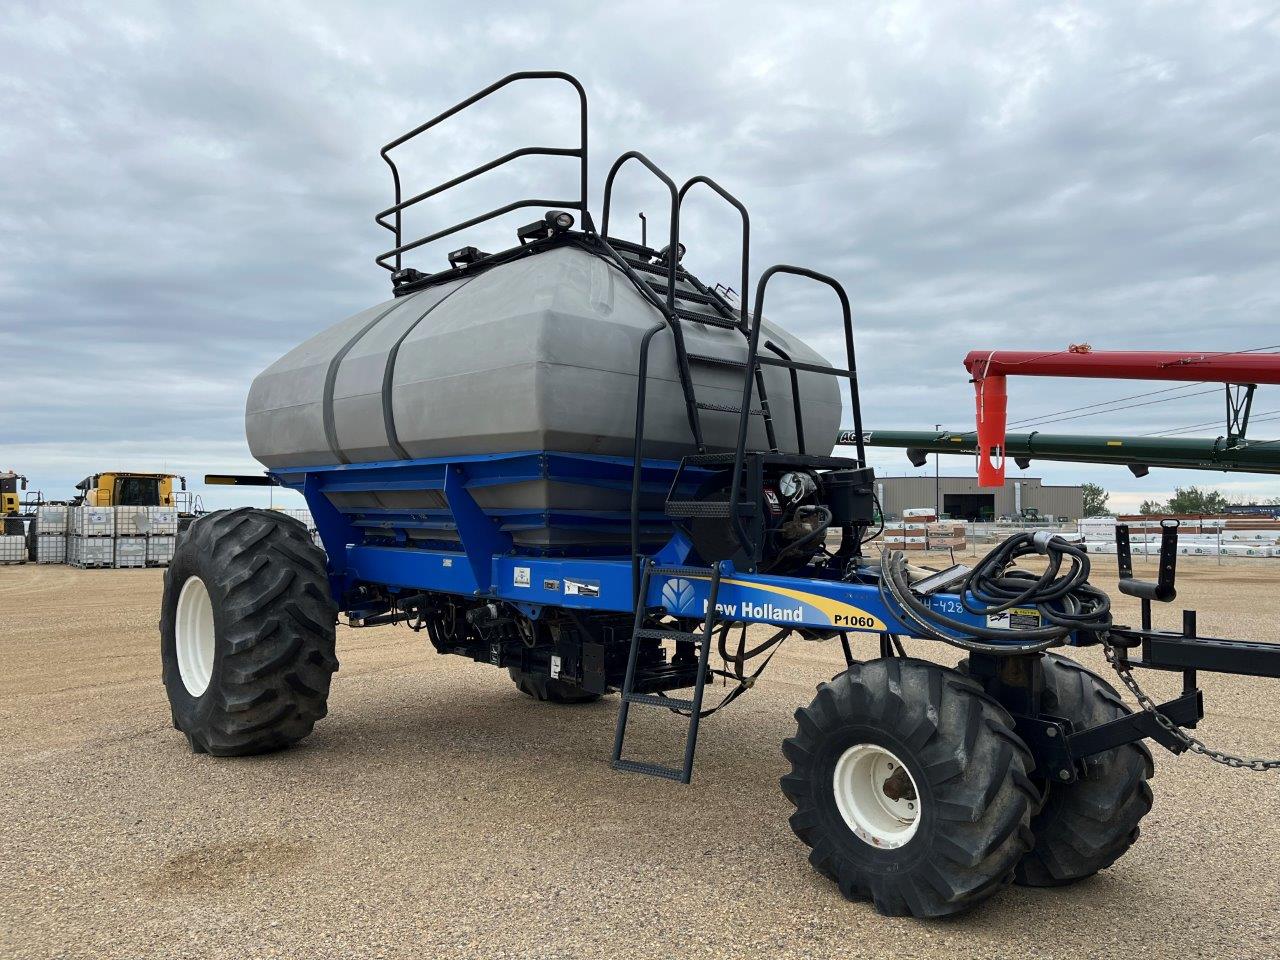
(1088, 825)
(965, 769)
(247, 633)
(545, 688)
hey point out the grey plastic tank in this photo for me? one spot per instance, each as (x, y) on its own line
(538, 354)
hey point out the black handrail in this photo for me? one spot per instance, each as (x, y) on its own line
(795, 393)
(401, 205)
(636, 473)
(746, 232)
(770, 436)
(753, 349)
(675, 213)
(682, 357)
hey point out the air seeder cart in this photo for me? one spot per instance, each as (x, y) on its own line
(574, 460)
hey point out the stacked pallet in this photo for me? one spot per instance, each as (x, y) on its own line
(920, 529)
(132, 524)
(51, 533)
(1231, 536)
(948, 535)
(145, 536)
(121, 537)
(92, 537)
(912, 531)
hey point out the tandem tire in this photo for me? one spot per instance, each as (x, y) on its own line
(247, 633)
(548, 689)
(911, 788)
(1087, 825)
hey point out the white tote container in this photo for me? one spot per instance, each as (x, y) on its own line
(51, 547)
(160, 551)
(93, 521)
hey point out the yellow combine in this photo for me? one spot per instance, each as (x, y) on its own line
(128, 489)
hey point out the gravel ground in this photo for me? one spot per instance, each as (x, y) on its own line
(439, 813)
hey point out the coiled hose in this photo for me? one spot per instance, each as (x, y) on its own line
(1065, 599)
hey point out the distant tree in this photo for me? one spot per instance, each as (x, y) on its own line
(1152, 507)
(1195, 500)
(1095, 500)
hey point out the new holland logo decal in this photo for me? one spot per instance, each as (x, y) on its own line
(678, 595)
(749, 601)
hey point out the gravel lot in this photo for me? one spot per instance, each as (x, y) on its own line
(439, 813)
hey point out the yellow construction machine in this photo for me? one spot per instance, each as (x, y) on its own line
(11, 487)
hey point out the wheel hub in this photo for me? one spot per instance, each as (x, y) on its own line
(876, 796)
(194, 636)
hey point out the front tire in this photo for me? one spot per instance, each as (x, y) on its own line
(247, 633)
(1087, 825)
(910, 787)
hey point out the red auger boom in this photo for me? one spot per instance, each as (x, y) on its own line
(989, 368)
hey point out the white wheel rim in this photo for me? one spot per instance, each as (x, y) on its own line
(195, 636)
(885, 820)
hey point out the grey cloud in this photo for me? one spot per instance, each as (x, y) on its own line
(188, 190)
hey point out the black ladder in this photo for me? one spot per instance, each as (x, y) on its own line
(682, 300)
(694, 303)
(636, 687)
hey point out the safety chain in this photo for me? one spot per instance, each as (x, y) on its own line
(1190, 742)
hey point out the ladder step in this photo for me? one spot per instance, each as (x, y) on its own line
(658, 700)
(711, 459)
(627, 246)
(682, 571)
(708, 319)
(698, 508)
(693, 296)
(729, 408)
(717, 361)
(652, 769)
(658, 269)
(680, 636)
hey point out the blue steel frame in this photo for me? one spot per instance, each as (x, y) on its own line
(486, 562)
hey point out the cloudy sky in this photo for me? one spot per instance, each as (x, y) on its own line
(187, 191)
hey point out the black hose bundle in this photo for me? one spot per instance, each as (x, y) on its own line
(1066, 601)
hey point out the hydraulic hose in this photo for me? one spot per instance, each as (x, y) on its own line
(1066, 601)
(808, 540)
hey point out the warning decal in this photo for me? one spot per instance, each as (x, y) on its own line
(1015, 618)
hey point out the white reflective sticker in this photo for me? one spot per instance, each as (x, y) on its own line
(1015, 618)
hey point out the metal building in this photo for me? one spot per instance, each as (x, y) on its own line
(962, 499)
